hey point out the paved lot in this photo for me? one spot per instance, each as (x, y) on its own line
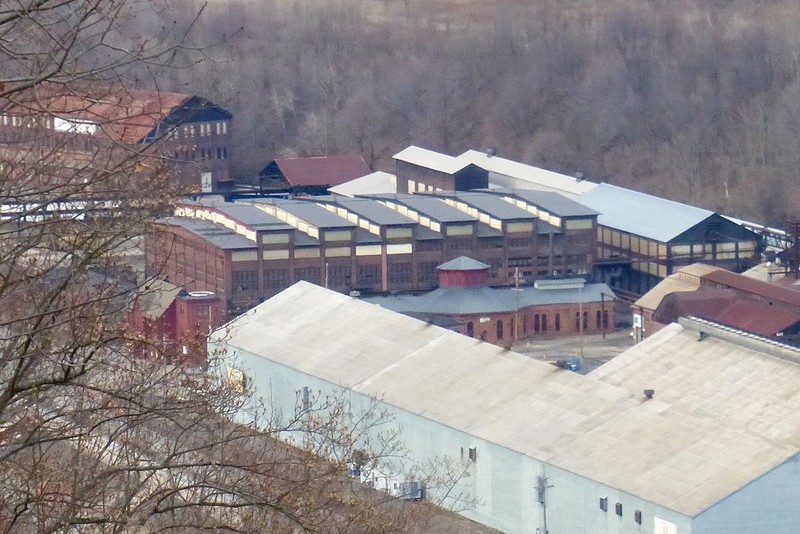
(595, 349)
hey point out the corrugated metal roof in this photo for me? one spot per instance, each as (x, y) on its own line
(725, 410)
(671, 284)
(786, 294)
(550, 201)
(536, 177)
(641, 214)
(376, 182)
(431, 160)
(323, 170)
(245, 214)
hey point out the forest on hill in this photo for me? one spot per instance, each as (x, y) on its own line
(698, 101)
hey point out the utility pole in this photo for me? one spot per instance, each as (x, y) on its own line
(516, 309)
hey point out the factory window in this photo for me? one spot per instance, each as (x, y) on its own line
(599, 320)
(499, 329)
(618, 509)
(277, 278)
(637, 516)
(544, 322)
(558, 322)
(473, 454)
(537, 323)
(244, 280)
(604, 504)
(369, 274)
(339, 275)
(470, 329)
(605, 318)
(524, 324)
(309, 274)
(426, 271)
(399, 273)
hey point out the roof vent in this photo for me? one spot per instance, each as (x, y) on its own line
(491, 151)
(355, 294)
(648, 393)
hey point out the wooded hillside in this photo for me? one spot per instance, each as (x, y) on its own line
(694, 100)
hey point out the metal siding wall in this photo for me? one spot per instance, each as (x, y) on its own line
(768, 504)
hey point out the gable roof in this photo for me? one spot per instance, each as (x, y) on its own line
(534, 176)
(155, 298)
(119, 113)
(321, 170)
(376, 182)
(430, 159)
(462, 263)
(642, 214)
(786, 294)
(724, 414)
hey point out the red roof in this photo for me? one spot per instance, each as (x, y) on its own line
(121, 114)
(324, 170)
(725, 307)
(757, 287)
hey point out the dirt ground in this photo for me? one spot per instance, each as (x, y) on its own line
(594, 349)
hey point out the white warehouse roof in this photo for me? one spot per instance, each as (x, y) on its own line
(726, 407)
(431, 159)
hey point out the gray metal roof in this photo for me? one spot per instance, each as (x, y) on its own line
(308, 211)
(479, 300)
(550, 201)
(491, 205)
(370, 209)
(641, 214)
(216, 234)
(431, 207)
(725, 410)
(431, 159)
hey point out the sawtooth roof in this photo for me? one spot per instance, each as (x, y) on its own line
(725, 410)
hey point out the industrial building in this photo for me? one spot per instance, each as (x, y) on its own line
(692, 431)
(714, 293)
(375, 244)
(642, 239)
(311, 175)
(551, 307)
(186, 135)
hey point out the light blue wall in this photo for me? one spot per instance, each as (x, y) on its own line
(503, 481)
(769, 504)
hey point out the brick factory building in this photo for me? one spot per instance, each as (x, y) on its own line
(248, 251)
(84, 126)
(556, 307)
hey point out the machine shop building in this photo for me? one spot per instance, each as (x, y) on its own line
(250, 250)
(692, 431)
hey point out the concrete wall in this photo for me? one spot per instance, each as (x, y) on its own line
(761, 506)
(498, 488)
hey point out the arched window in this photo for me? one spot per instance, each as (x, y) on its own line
(585, 320)
(599, 320)
(511, 330)
(577, 320)
(605, 318)
(470, 329)
(537, 323)
(499, 329)
(524, 324)
(558, 322)
(544, 322)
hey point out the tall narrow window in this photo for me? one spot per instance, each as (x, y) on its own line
(499, 329)
(537, 323)
(558, 322)
(470, 329)
(599, 320)
(544, 322)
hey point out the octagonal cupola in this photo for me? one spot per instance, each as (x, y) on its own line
(463, 272)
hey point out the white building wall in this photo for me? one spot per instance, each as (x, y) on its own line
(761, 506)
(500, 487)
